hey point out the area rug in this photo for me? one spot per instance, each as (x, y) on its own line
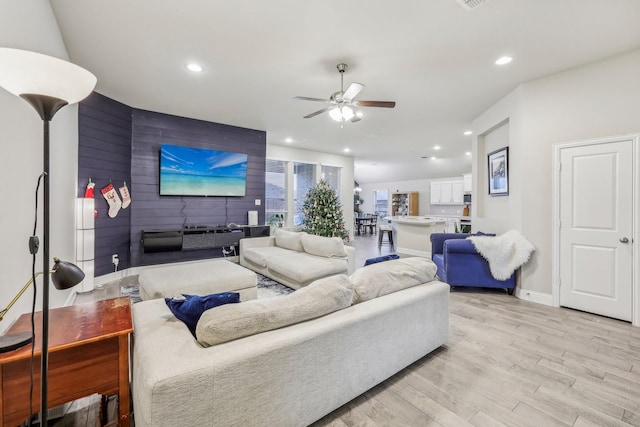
(270, 288)
(131, 291)
(267, 288)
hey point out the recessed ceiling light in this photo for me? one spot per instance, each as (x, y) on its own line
(468, 153)
(346, 150)
(468, 132)
(288, 140)
(433, 158)
(504, 60)
(194, 67)
(436, 147)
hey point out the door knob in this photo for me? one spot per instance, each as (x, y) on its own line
(624, 240)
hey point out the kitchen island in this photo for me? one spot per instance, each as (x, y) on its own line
(412, 233)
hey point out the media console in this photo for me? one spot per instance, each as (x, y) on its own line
(199, 237)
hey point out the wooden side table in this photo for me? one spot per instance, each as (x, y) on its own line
(88, 353)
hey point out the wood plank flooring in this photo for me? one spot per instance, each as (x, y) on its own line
(510, 362)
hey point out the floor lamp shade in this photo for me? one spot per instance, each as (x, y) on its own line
(85, 241)
(47, 84)
(23, 72)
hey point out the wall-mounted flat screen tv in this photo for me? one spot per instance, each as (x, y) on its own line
(188, 171)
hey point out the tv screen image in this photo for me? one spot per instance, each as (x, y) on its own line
(189, 171)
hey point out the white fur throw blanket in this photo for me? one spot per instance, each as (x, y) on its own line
(504, 253)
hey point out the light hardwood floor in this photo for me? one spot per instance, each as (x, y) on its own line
(511, 362)
(508, 362)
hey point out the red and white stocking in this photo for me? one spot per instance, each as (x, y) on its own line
(88, 194)
(112, 198)
(126, 197)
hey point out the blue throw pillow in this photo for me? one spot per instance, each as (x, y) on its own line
(191, 308)
(381, 259)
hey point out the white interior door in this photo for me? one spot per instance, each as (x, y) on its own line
(596, 226)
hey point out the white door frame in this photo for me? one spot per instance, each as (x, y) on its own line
(555, 286)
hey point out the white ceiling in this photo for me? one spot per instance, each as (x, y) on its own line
(434, 58)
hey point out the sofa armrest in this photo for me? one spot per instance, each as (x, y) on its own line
(438, 239)
(459, 246)
(255, 242)
(351, 259)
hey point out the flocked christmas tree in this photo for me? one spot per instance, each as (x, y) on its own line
(323, 212)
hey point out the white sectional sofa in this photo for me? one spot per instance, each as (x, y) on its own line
(296, 259)
(295, 374)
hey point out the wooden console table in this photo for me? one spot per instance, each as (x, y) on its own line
(88, 353)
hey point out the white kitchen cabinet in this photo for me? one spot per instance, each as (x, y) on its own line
(468, 183)
(457, 192)
(450, 192)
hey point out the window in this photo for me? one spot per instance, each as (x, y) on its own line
(303, 180)
(331, 174)
(275, 183)
(381, 202)
(287, 184)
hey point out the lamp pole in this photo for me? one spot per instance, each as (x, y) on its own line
(47, 107)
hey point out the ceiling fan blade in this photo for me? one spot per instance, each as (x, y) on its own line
(315, 113)
(352, 91)
(306, 98)
(383, 104)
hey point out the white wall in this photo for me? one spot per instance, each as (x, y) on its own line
(280, 152)
(596, 100)
(31, 25)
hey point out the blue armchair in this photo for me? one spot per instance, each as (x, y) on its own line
(459, 264)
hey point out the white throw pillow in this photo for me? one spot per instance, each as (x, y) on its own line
(386, 277)
(289, 240)
(328, 247)
(321, 297)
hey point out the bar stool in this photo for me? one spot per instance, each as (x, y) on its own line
(388, 230)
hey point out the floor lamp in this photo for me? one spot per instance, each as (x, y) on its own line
(47, 84)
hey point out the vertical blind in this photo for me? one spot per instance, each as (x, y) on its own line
(303, 179)
(331, 174)
(276, 189)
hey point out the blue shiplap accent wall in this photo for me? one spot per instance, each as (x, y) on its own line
(154, 212)
(104, 155)
(121, 143)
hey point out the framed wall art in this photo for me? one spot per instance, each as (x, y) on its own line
(498, 171)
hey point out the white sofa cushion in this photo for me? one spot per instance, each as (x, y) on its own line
(226, 323)
(304, 268)
(260, 256)
(386, 277)
(330, 247)
(289, 240)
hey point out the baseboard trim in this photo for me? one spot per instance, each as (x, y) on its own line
(533, 296)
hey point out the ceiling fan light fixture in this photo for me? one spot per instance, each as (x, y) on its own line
(336, 114)
(347, 113)
(342, 113)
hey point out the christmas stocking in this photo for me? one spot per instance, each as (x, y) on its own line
(88, 194)
(112, 198)
(126, 197)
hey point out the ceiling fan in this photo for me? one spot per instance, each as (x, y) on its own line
(341, 103)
